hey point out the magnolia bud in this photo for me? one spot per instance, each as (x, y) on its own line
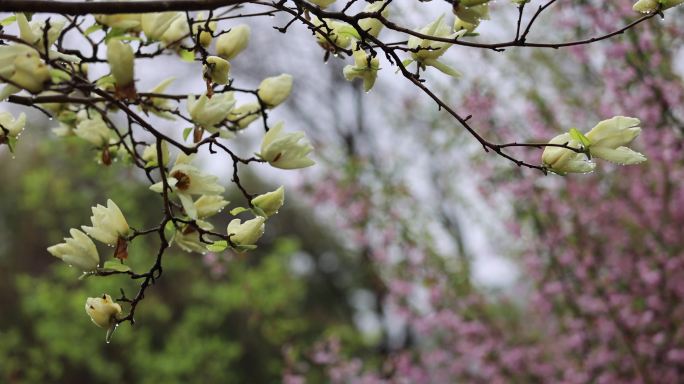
(102, 310)
(284, 150)
(209, 205)
(562, 160)
(274, 90)
(121, 61)
(217, 69)
(246, 233)
(11, 127)
(233, 42)
(109, 224)
(78, 250)
(270, 202)
(154, 25)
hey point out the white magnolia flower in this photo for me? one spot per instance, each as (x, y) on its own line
(11, 127)
(109, 224)
(562, 160)
(270, 202)
(427, 51)
(274, 90)
(217, 69)
(245, 114)
(154, 25)
(365, 67)
(246, 233)
(230, 44)
(78, 250)
(22, 66)
(121, 61)
(102, 310)
(372, 25)
(609, 139)
(208, 113)
(209, 205)
(284, 150)
(186, 181)
(93, 129)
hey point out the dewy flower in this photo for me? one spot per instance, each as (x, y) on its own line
(245, 114)
(322, 3)
(78, 250)
(274, 90)
(150, 154)
(217, 70)
(22, 66)
(372, 25)
(154, 25)
(246, 233)
(365, 67)
(230, 44)
(284, 150)
(208, 113)
(209, 205)
(102, 310)
(609, 138)
(562, 160)
(426, 51)
(109, 224)
(186, 180)
(121, 61)
(650, 6)
(472, 11)
(92, 128)
(270, 202)
(11, 127)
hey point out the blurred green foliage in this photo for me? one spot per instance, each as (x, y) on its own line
(228, 319)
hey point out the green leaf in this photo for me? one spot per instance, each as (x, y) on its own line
(187, 55)
(116, 266)
(8, 20)
(58, 76)
(186, 132)
(579, 137)
(217, 246)
(237, 211)
(92, 28)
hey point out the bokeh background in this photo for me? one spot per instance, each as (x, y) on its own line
(408, 255)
